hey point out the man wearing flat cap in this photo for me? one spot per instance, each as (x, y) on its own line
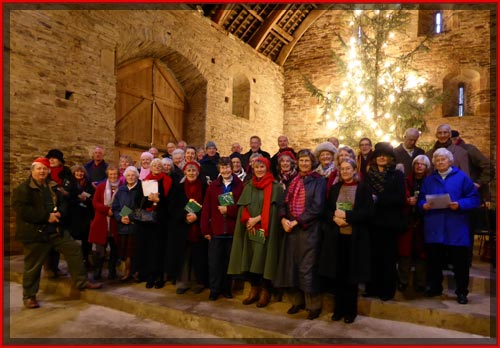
(39, 212)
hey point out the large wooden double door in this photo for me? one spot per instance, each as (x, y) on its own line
(149, 108)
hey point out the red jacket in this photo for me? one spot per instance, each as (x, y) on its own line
(99, 226)
(212, 221)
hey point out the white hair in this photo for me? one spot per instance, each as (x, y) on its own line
(167, 160)
(442, 152)
(131, 169)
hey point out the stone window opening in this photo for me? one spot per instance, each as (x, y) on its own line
(430, 22)
(241, 96)
(438, 22)
(462, 95)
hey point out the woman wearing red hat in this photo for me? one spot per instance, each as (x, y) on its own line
(257, 236)
(187, 253)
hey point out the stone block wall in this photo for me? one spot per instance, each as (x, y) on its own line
(62, 77)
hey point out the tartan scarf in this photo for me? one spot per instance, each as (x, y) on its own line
(296, 197)
(376, 178)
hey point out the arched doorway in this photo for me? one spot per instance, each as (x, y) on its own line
(149, 108)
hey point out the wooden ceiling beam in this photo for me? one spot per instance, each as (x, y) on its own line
(270, 23)
(306, 23)
(221, 15)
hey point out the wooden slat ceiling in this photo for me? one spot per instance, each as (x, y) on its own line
(271, 29)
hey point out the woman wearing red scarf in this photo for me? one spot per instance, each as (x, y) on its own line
(187, 254)
(258, 213)
(151, 246)
(300, 217)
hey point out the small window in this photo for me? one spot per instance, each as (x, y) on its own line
(461, 98)
(360, 35)
(438, 23)
(241, 96)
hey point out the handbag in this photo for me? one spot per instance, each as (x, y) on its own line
(143, 215)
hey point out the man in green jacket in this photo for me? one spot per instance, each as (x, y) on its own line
(39, 212)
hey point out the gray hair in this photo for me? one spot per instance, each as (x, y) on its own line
(445, 127)
(354, 165)
(422, 158)
(167, 160)
(178, 152)
(131, 169)
(442, 152)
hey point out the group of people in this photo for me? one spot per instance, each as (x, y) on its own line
(301, 222)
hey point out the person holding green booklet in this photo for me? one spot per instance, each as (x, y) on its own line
(218, 220)
(187, 254)
(345, 250)
(257, 237)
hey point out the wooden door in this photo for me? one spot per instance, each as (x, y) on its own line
(149, 108)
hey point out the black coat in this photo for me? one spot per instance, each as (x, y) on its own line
(178, 228)
(298, 262)
(359, 218)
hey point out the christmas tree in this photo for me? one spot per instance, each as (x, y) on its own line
(378, 94)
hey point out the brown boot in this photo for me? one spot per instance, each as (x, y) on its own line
(264, 298)
(253, 295)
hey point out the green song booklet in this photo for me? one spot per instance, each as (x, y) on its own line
(226, 199)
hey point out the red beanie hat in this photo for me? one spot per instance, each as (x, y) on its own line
(265, 161)
(193, 163)
(42, 160)
(286, 153)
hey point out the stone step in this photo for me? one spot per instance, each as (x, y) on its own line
(229, 318)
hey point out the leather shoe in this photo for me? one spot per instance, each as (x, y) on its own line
(295, 309)
(93, 286)
(181, 291)
(227, 294)
(349, 319)
(314, 314)
(31, 303)
(462, 299)
(213, 296)
(337, 316)
(150, 284)
(159, 284)
(432, 293)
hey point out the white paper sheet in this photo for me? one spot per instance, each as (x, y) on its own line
(149, 186)
(440, 201)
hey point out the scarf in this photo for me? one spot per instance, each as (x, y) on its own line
(167, 181)
(377, 178)
(54, 174)
(285, 178)
(144, 173)
(109, 192)
(439, 145)
(193, 189)
(296, 197)
(241, 175)
(266, 184)
(325, 172)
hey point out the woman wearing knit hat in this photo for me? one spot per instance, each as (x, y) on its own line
(389, 193)
(257, 236)
(325, 153)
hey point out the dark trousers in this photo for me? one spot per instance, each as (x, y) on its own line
(219, 251)
(35, 255)
(150, 251)
(346, 291)
(459, 257)
(384, 256)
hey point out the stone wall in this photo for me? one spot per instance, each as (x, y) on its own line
(464, 47)
(62, 78)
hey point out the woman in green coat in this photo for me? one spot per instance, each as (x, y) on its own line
(257, 236)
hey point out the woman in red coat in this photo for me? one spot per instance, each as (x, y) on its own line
(103, 230)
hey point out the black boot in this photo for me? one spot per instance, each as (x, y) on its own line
(98, 269)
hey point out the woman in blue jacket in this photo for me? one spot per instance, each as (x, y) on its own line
(446, 229)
